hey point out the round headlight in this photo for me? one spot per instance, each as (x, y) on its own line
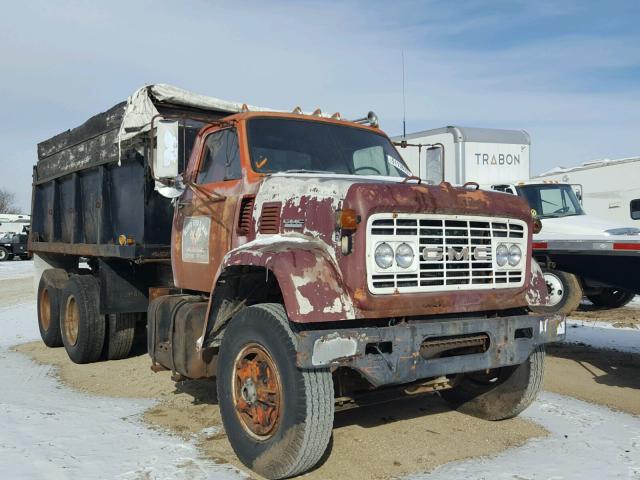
(502, 255)
(384, 255)
(515, 255)
(404, 255)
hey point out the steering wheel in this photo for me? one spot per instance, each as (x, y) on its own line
(562, 210)
(367, 167)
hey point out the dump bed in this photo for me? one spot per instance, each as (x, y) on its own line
(93, 193)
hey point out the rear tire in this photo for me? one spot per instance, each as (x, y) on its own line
(294, 423)
(565, 292)
(611, 298)
(502, 394)
(4, 254)
(121, 329)
(49, 292)
(81, 325)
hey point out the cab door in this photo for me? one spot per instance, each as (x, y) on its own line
(205, 213)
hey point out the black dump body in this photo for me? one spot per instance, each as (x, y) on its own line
(85, 200)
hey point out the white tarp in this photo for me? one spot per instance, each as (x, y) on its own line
(140, 108)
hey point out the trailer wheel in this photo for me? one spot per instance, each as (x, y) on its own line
(611, 298)
(49, 306)
(500, 393)
(4, 254)
(565, 292)
(81, 325)
(121, 329)
(277, 417)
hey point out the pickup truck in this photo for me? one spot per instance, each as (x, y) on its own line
(294, 257)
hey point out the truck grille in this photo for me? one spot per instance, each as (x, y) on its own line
(452, 252)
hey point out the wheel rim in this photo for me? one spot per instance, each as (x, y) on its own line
(45, 309)
(554, 288)
(4, 255)
(257, 391)
(71, 320)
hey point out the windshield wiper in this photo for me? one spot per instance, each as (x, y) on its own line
(303, 170)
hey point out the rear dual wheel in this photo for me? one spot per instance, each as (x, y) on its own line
(49, 294)
(81, 325)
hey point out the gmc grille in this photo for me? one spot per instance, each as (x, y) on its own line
(452, 252)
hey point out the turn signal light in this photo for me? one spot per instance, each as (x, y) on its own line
(348, 219)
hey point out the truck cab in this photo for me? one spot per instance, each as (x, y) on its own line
(580, 254)
(14, 245)
(307, 268)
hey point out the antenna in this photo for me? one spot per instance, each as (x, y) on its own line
(404, 103)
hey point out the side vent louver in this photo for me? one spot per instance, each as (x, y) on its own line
(270, 218)
(245, 216)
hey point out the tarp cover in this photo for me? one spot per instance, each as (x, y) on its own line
(140, 108)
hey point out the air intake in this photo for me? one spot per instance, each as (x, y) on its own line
(246, 212)
(270, 218)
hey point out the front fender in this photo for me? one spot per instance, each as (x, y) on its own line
(307, 273)
(537, 292)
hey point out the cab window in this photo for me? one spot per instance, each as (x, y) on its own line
(221, 159)
(634, 205)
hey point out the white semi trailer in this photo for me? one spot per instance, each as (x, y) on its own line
(610, 189)
(580, 254)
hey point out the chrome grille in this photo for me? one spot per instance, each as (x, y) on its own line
(453, 252)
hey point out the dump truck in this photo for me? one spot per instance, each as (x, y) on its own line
(292, 256)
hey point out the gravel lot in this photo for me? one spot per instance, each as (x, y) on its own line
(70, 421)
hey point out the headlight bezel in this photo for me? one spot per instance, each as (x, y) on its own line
(395, 267)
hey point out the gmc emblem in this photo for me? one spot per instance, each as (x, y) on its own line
(479, 252)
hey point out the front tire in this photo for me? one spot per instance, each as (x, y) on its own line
(500, 394)
(81, 325)
(277, 417)
(565, 292)
(4, 254)
(611, 298)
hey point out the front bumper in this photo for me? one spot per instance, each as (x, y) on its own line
(392, 355)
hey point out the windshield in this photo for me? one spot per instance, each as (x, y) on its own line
(290, 145)
(551, 200)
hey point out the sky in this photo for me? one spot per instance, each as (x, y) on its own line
(567, 72)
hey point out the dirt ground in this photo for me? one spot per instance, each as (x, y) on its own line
(393, 439)
(396, 438)
(606, 377)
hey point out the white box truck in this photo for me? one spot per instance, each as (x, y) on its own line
(610, 189)
(579, 254)
(460, 154)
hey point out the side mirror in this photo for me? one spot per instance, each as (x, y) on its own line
(577, 189)
(166, 159)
